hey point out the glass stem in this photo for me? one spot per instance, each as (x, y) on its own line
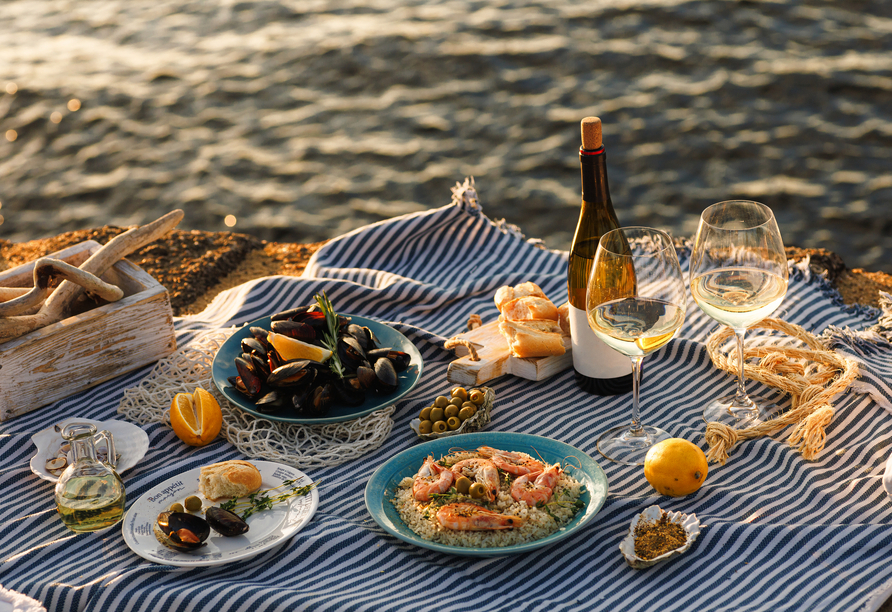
(741, 398)
(636, 429)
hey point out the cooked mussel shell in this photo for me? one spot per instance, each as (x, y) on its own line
(225, 522)
(292, 373)
(182, 531)
(252, 345)
(363, 335)
(350, 352)
(321, 399)
(386, 374)
(347, 393)
(250, 377)
(260, 334)
(273, 401)
(290, 314)
(366, 377)
(295, 329)
(400, 359)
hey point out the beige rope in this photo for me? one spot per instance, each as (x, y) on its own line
(301, 446)
(474, 321)
(454, 342)
(803, 373)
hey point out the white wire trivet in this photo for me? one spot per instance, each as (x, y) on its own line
(301, 446)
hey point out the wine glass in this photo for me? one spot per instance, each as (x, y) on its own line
(635, 304)
(738, 277)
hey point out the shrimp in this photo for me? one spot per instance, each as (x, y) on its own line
(483, 471)
(540, 490)
(471, 517)
(517, 464)
(431, 479)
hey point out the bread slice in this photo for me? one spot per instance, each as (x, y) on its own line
(529, 307)
(533, 338)
(234, 478)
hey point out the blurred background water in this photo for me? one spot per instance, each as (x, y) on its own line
(297, 120)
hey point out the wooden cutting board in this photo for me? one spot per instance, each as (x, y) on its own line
(496, 360)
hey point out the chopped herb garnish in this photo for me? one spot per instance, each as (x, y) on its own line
(261, 500)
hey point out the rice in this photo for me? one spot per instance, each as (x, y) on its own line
(538, 522)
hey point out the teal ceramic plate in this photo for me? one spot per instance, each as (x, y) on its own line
(381, 486)
(224, 367)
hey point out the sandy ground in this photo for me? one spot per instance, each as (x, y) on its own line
(195, 266)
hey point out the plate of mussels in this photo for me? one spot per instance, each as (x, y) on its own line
(216, 537)
(379, 366)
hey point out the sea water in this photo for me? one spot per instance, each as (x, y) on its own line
(298, 120)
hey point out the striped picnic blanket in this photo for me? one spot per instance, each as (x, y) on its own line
(782, 533)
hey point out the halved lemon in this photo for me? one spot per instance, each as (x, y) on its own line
(196, 418)
(292, 348)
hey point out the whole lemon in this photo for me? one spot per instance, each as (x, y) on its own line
(675, 467)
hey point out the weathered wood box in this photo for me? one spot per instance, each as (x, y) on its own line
(86, 349)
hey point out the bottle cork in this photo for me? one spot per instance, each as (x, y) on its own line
(591, 133)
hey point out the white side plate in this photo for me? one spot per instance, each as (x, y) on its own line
(267, 528)
(131, 442)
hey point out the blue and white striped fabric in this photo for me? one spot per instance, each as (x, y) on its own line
(782, 533)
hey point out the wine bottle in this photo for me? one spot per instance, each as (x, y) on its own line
(599, 369)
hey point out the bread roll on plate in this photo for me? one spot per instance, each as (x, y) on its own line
(506, 294)
(234, 478)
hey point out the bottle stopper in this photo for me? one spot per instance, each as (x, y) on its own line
(591, 133)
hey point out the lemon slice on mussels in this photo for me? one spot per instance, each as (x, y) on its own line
(292, 348)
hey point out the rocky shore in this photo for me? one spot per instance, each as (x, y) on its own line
(196, 265)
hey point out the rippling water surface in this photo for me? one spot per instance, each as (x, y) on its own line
(304, 119)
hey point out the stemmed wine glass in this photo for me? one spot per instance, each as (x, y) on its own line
(738, 277)
(635, 304)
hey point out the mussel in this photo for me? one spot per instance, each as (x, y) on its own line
(272, 402)
(400, 359)
(181, 530)
(225, 522)
(252, 345)
(250, 377)
(286, 315)
(387, 379)
(292, 373)
(294, 329)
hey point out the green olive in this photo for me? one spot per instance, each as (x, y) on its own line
(193, 503)
(437, 414)
(425, 414)
(441, 402)
(440, 426)
(453, 423)
(477, 490)
(463, 485)
(460, 392)
(456, 401)
(467, 412)
(451, 411)
(425, 426)
(177, 507)
(477, 396)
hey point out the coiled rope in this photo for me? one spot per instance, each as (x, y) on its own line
(812, 376)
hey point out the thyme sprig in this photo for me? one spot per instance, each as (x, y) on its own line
(262, 500)
(330, 336)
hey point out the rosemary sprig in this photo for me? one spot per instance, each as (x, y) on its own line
(261, 500)
(330, 336)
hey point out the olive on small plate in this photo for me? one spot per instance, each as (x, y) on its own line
(456, 414)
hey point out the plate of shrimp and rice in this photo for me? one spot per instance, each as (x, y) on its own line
(528, 492)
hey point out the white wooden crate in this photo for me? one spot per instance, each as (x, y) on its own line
(88, 348)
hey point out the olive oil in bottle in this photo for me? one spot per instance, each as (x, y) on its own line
(599, 369)
(89, 495)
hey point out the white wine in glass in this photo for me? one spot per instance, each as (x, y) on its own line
(738, 277)
(635, 304)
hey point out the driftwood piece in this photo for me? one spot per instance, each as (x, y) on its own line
(48, 273)
(58, 304)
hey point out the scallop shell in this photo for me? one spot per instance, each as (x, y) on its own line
(689, 522)
(477, 422)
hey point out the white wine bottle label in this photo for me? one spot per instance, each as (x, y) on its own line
(591, 357)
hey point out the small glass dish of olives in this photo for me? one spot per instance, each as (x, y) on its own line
(461, 410)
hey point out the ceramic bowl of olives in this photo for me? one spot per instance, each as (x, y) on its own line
(459, 411)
